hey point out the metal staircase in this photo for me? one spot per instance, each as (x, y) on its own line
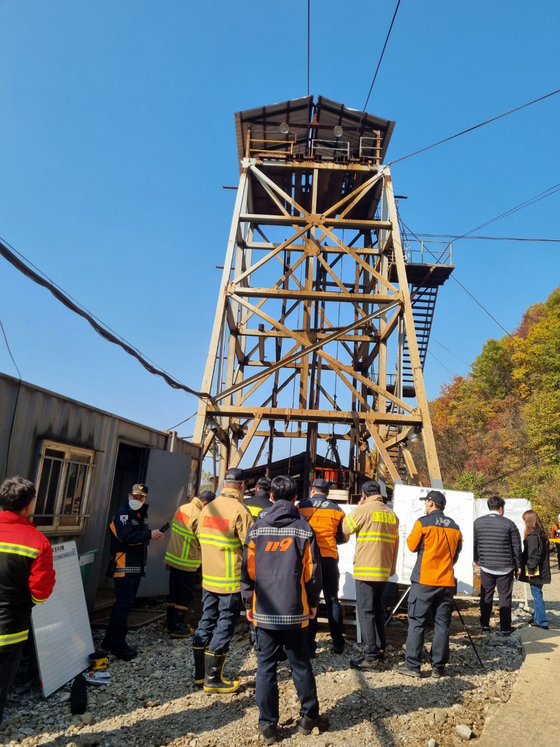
(423, 306)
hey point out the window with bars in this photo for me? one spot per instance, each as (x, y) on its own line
(63, 480)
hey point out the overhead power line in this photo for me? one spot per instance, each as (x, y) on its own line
(381, 57)
(98, 326)
(476, 127)
(8, 346)
(446, 237)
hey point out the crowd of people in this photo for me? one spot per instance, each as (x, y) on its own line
(275, 557)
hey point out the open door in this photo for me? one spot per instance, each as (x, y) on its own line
(167, 478)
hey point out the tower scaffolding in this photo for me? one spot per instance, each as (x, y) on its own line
(323, 318)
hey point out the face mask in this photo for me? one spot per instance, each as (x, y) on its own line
(134, 504)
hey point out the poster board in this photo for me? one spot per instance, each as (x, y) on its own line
(346, 583)
(60, 625)
(409, 508)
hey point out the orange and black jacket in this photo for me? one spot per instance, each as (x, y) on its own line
(438, 541)
(325, 518)
(281, 569)
(130, 537)
(26, 576)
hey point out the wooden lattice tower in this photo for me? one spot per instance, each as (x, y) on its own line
(315, 332)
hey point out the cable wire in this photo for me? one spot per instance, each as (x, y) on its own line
(97, 325)
(475, 127)
(9, 351)
(380, 59)
(454, 237)
(308, 45)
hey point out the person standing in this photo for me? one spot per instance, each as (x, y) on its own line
(555, 539)
(377, 543)
(261, 500)
(130, 537)
(536, 565)
(281, 553)
(182, 558)
(325, 518)
(27, 575)
(221, 530)
(438, 541)
(497, 552)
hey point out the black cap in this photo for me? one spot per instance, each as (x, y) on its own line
(207, 496)
(436, 496)
(264, 483)
(139, 489)
(321, 484)
(371, 487)
(234, 474)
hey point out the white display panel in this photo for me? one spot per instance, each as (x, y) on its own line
(61, 624)
(409, 508)
(346, 584)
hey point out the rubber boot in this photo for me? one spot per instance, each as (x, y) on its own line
(198, 656)
(185, 628)
(175, 622)
(213, 680)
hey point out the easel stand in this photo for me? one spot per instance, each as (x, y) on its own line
(404, 596)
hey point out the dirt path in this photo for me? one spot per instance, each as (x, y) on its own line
(152, 701)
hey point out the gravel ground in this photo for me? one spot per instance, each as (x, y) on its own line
(152, 701)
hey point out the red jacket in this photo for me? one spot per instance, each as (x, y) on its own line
(26, 576)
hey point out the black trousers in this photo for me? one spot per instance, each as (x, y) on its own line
(9, 663)
(216, 626)
(557, 546)
(296, 645)
(126, 589)
(329, 567)
(181, 586)
(504, 584)
(371, 616)
(425, 602)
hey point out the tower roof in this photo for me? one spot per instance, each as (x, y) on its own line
(307, 119)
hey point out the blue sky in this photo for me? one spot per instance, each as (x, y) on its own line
(118, 134)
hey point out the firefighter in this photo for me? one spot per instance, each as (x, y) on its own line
(281, 553)
(26, 575)
(222, 528)
(437, 540)
(261, 500)
(183, 560)
(325, 518)
(130, 537)
(377, 543)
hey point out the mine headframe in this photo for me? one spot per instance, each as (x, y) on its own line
(323, 316)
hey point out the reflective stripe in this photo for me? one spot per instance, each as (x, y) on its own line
(37, 601)
(28, 552)
(10, 638)
(186, 563)
(255, 510)
(181, 529)
(280, 619)
(212, 539)
(351, 523)
(376, 537)
(371, 570)
(228, 585)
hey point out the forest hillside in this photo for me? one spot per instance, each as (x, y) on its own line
(498, 429)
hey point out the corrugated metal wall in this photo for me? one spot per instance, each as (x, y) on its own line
(29, 414)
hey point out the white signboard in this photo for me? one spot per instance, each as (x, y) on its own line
(409, 508)
(346, 584)
(61, 624)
